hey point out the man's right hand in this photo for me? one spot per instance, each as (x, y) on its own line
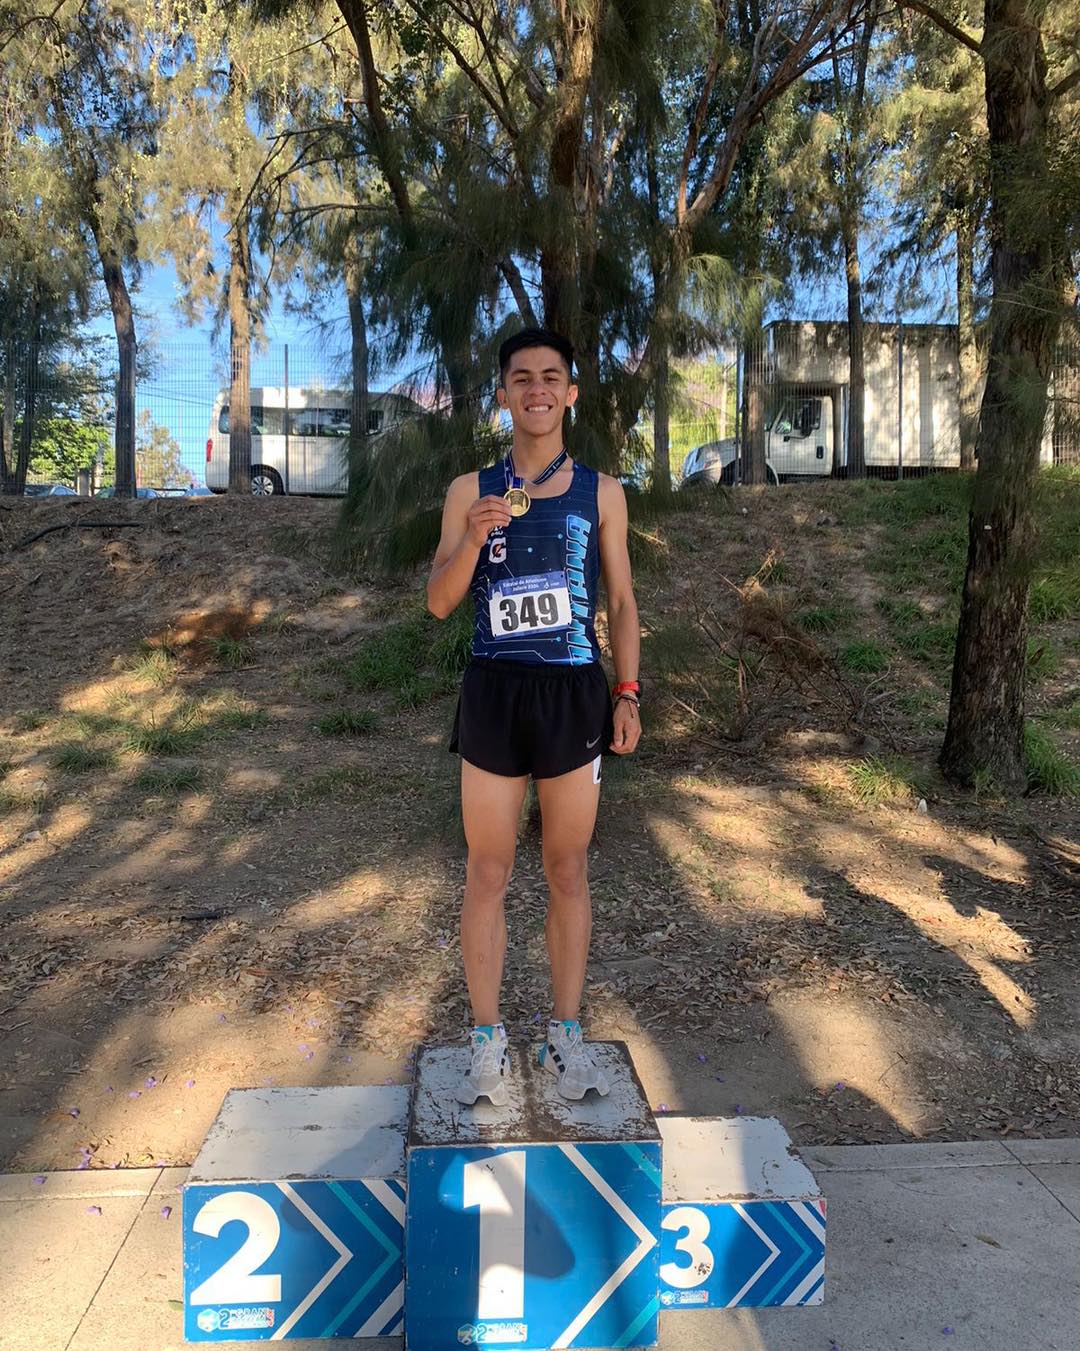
(485, 515)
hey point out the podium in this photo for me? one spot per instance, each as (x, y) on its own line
(388, 1211)
(293, 1216)
(744, 1222)
(533, 1225)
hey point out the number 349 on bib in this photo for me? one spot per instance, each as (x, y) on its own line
(520, 606)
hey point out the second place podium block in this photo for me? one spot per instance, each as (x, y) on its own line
(293, 1216)
(534, 1225)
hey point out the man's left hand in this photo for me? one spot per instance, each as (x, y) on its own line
(627, 727)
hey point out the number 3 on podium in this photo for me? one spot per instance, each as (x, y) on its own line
(497, 1186)
(702, 1261)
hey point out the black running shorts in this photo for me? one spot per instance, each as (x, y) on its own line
(514, 718)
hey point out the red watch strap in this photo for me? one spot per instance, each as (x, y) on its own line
(627, 686)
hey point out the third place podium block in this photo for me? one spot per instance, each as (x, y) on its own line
(744, 1222)
(537, 1224)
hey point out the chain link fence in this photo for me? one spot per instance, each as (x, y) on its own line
(792, 391)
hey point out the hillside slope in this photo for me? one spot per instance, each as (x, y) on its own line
(231, 853)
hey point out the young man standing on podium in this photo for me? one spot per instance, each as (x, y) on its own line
(529, 538)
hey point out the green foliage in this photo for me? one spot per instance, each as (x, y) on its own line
(1049, 769)
(389, 660)
(76, 758)
(863, 657)
(155, 663)
(824, 618)
(1043, 660)
(62, 446)
(348, 722)
(232, 653)
(452, 646)
(877, 781)
(171, 737)
(1067, 716)
(1054, 598)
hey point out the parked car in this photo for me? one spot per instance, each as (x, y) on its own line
(49, 490)
(139, 492)
(714, 463)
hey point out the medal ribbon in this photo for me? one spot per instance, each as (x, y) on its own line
(513, 479)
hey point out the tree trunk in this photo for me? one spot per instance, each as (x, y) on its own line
(124, 324)
(8, 465)
(753, 453)
(358, 415)
(240, 359)
(968, 355)
(661, 466)
(985, 734)
(856, 449)
(661, 470)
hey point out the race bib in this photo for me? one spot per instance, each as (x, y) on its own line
(525, 605)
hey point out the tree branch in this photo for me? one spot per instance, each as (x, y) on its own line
(946, 25)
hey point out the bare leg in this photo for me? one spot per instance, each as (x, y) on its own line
(490, 809)
(568, 806)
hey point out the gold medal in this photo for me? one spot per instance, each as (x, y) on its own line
(518, 501)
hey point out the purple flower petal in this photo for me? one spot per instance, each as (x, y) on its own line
(221, 1018)
(83, 1163)
(39, 1180)
(662, 1107)
(134, 1093)
(161, 1163)
(738, 1109)
(702, 1058)
(109, 1089)
(840, 1084)
(310, 1055)
(166, 1211)
(93, 1210)
(348, 1059)
(302, 1046)
(151, 1082)
(720, 1079)
(73, 1111)
(947, 1332)
(189, 1083)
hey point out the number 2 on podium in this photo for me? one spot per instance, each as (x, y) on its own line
(497, 1186)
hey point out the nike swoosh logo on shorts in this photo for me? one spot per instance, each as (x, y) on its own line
(590, 744)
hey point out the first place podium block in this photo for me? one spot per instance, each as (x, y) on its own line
(293, 1216)
(535, 1224)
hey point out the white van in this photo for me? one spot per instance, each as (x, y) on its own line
(299, 443)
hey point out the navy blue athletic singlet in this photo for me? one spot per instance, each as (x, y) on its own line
(535, 581)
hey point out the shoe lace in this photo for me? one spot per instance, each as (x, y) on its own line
(576, 1053)
(487, 1055)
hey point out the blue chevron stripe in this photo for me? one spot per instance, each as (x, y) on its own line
(624, 1338)
(644, 1162)
(793, 1271)
(812, 1294)
(393, 1253)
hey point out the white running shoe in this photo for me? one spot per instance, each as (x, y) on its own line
(490, 1063)
(566, 1055)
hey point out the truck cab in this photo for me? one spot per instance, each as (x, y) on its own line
(799, 439)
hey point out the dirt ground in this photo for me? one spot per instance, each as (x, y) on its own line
(200, 889)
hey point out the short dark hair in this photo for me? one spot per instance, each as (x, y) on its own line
(535, 337)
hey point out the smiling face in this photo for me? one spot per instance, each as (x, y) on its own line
(536, 390)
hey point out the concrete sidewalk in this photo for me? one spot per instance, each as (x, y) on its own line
(968, 1245)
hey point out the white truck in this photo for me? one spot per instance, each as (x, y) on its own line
(806, 392)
